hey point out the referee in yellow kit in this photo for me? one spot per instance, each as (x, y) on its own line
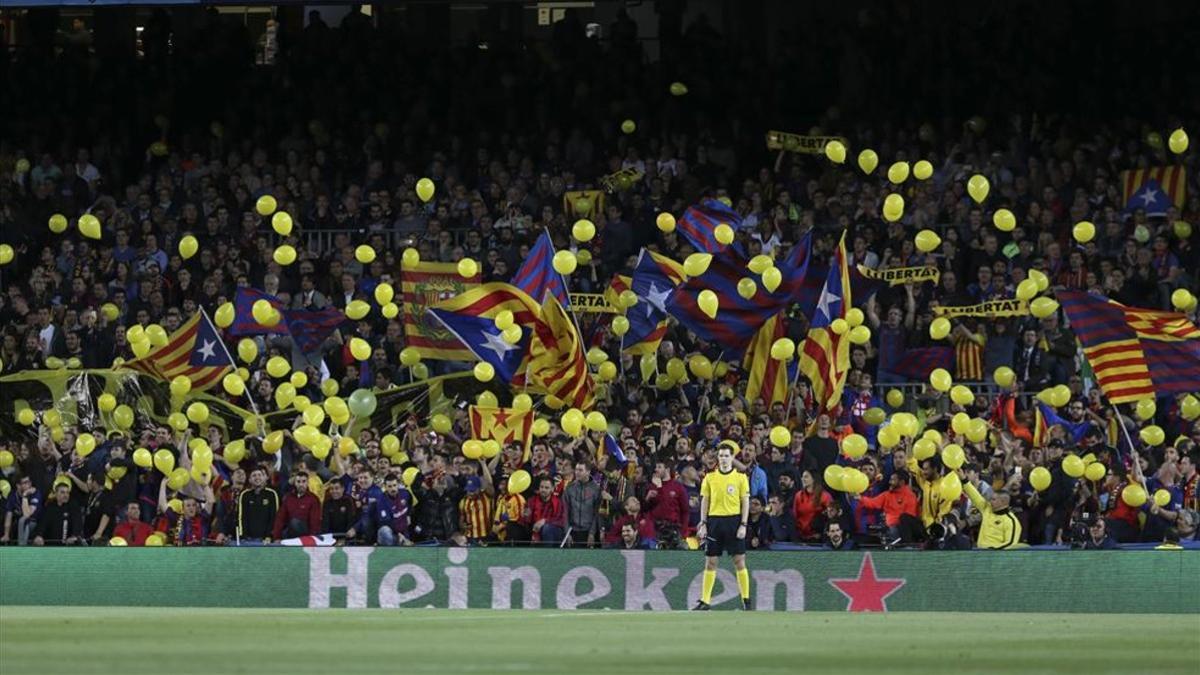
(724, 511)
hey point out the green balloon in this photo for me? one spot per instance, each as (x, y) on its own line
(362, 403)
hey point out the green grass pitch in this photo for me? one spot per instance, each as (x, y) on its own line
(81, 640)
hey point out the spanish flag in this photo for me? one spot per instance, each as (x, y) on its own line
(824, 354)
(506, 425)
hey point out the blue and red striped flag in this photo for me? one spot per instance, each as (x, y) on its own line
(1135, 353)
(243, 318)
(917, 364)
(310, 327)
(739, 318)
(824, 354)
(537, 275)
(699, 222)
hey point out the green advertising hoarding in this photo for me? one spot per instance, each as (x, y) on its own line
(1014, 581)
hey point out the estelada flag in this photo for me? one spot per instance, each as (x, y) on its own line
(506, 425)
(195, 351)
(425, 285)
(1172, 180)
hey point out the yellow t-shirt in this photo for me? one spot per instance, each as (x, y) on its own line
(725, 492)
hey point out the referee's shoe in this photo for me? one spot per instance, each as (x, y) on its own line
(701, 606)
(746, 604)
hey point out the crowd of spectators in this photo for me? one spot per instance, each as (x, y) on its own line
(338, 133)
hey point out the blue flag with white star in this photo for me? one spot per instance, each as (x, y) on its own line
(481, 336)
(208, 351)
(653, 286)
(1151, 198)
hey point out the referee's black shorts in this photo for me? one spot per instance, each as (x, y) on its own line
(721, 536)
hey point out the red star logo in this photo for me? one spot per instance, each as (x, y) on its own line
(501, 418)
(867, 593)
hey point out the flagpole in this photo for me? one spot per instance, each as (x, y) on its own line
(232, 363)
(566, 288)
(1121, 423)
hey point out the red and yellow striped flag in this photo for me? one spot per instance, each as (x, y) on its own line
(506, 425)
(556, 365)
(425, 285)
(768, 378)
(1173, 180)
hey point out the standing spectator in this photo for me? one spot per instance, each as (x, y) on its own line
(667, 501)
(61, 521)
(257, 507)
(581, 500)
(338, 513)
(1000, 527)
(25, 504)
(475, 511)
(809, 501)
(820, 449)
(132, 529)
(900, 509)
(300, 513)
(547, 513)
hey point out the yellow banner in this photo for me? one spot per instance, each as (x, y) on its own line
(620, 180)
(992, 308)
(806, 145)
(902, 275)
(592, 303)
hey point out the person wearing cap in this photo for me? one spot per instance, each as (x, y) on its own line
(725, 503)
(475, 511)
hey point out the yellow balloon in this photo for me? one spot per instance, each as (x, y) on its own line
(940, 379)
(384, 293)
(628, 127)
(1189, 408)
(898, 172)
(281, 222)
(1004, 376)
(299, 379)
(89, 226)
(783, 349)
(1073, 466)
(834, 475)
(467, 268)
(472, 449)
(723, 234)
(627, 299)
(484, 371)
(961, 395)
(425, 189)
(1039, 278)
(894, 398)
(771, 278)
(247, 350)
(923, 449)
(697, 264)
(854, 446)
(180, 386)
(868, 160)
(1039, 478)
(572, 422)
(595, 421)
(409, 356)
(264, 313)
(953, 456)
(1134, 495)
(1152, 435)
(708, 303)
(939, 328)
(364, 254)
(197, 412)
(1182, 299)
(225, 315)
(854, 317)
(233, 385)
(1026, 289)
(1095, 471)
(188, 247)
(746, 288)
(1145, 409)
(665, 222)
(835, 151)
(860, 335)
(6, 254)
(26, 417)
(1004, 220)
(1162, 497)
(58, 223)
(487, 399)
(893, 207)
(410, 258)
(284, 255)
(541, 427)
(357, 309)
(1178, 141)
(564, 262)
(1042, 307)
(518, 482)
(583, 230)
(678, 89)
(978, 187)
(927, 240)
(360, 349)
(922, 170)
(781, 437)
(1083, 231)
(265, 205)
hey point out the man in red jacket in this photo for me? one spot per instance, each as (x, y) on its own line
(667, 500)
(633, 515)
(300, 512)
(133, 530)
(901, 509)
(546, 512)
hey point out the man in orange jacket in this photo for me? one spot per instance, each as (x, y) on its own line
(900, 509)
